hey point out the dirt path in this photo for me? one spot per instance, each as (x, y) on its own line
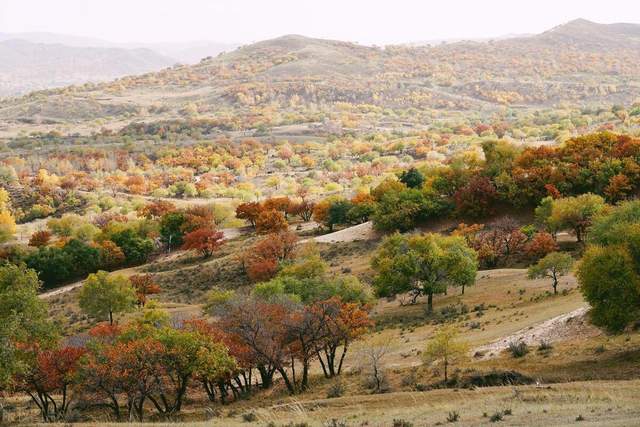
(362, 231)
(557, 328)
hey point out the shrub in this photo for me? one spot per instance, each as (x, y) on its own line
(545, 346)
(249, 417)
(453, 416)
(401, 423)
(518, 349)
(336, 390)
(496, 417)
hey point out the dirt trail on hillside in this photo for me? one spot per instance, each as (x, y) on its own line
(559, 328)
(362, 231)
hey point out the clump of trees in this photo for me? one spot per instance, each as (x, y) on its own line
(423, 265)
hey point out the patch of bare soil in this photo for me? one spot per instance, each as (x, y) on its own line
(362, 231)
(560, 328)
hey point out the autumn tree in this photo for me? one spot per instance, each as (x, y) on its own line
(116, 369)
(618, 188)
(249, 211)
(342, 323)
(204, 240)
(541, 244)
(476, 198)
(7, 221)
(303, 209)
(445, 348)
(156, 209)
(363, 205)
(144, 285)
(280, 204)
(553, 266)
(48, 380)
(271, 221)
(262, 259)
(103, 294)
(40, 238)
(111, 256)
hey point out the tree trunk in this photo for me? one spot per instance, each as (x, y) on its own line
(287, 381)
(430, 302)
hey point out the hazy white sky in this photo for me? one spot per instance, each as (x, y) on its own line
(364, 21)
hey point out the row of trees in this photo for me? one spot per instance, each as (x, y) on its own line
(153, 362)
(583, 173)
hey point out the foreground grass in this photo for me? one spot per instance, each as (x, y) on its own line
(611, 403)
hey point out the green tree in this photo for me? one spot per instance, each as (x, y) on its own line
(171, 229)
(552, 266)
(445, 348)
(308, 280)
(610, 270)
(136, 249)
(85, 259)
(543, 216)
(412, 178)
(620, 227)
(610, 283)
(338, 213)
(498, 156)
(576, 213)
(424, 264)
(54, 265)
(23, 317)
(402, 211)
(103, 294)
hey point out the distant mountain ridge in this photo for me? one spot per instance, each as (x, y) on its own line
(27, 66)
(587, 34)
(188, 52)
(579, 63)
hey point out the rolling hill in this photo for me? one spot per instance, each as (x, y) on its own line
(581, 63)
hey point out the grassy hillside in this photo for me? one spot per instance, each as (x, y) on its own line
(303, 75)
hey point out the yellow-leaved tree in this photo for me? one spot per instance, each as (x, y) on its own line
(445, 349)
(7, 222)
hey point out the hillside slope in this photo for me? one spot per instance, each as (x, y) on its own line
(580, 62)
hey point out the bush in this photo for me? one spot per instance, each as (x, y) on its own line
(545, 346)
(496, 417)
(453, 416)
(518, 349)
(401, 423)
(336, 390)
(249, 417)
